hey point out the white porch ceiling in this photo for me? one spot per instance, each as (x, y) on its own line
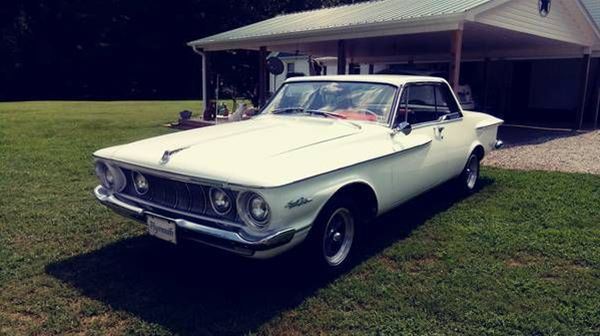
(409, 29)
(479, 41)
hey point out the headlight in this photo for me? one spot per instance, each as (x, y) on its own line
(220, 201)
(254, 210)
(140, 183)
(110, 177)
(258, 208)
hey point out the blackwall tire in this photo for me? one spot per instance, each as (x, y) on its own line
(468, 180)
(333, 238)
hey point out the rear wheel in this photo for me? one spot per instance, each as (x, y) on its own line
(469, 177)
(332, 239)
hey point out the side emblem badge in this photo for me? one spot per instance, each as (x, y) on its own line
(299, 202)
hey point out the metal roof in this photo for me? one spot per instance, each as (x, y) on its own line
(593, 6)
(348, 16)
(397, 80)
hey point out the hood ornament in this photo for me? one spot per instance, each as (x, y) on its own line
(167, 155)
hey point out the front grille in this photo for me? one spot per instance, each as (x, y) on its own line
(177, 195)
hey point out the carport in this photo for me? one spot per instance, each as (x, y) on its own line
(494, 44)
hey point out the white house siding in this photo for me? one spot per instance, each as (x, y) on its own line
(566, 22)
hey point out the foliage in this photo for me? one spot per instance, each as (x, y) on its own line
(122, 48)
(519, 257)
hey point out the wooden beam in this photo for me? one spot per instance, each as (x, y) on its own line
(341, 57)
(456, 56)
(262, 76)
(585, 80)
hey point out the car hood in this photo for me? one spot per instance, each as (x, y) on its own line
(266, 151)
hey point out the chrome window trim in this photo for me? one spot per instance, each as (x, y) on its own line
(428, 123)
(436, 123)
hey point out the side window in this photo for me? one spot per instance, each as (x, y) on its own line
(445, 103)
(421, 104)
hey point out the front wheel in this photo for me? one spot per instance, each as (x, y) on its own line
(469, 177)
(333, 237)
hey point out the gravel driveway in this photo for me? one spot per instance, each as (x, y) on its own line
(528, 149)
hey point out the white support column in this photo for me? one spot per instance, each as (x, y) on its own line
(204, 82)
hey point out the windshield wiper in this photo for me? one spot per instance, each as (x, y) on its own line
(289, 110)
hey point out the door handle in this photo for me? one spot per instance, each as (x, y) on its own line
(440, 129)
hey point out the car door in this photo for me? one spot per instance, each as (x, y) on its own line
(450, 130)
(421, 160)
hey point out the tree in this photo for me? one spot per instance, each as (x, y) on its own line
(123, 49)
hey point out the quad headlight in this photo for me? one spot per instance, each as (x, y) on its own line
(140, 183)
(220, 201)
(254, 210)
(258, 208)
(110, 177)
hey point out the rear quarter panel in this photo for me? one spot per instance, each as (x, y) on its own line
(485, 130)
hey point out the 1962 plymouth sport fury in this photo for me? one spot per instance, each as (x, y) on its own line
(324, 157)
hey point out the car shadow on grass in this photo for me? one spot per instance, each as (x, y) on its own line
(193, 290)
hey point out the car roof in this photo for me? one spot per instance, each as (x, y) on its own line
(397, 80)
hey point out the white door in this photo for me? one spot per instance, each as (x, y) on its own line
(421, 162)
(451, 130)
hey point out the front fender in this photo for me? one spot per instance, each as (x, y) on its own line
(298, 205)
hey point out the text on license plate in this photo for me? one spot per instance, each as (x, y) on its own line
(162, 228)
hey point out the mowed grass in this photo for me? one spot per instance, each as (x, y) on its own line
(521, 256)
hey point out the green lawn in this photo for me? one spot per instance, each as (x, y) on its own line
(522, 256)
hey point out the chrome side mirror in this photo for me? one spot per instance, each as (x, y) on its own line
(402, 127)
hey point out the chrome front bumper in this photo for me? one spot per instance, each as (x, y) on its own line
(224, 239)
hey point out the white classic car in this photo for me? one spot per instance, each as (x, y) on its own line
(324, 157)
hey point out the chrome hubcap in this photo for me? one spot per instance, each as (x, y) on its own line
(338, 237)
(472, 172)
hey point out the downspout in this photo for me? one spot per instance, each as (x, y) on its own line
(204, 90)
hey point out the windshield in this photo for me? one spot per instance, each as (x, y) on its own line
(344, 100)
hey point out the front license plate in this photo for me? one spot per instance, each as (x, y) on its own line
(162, 228)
